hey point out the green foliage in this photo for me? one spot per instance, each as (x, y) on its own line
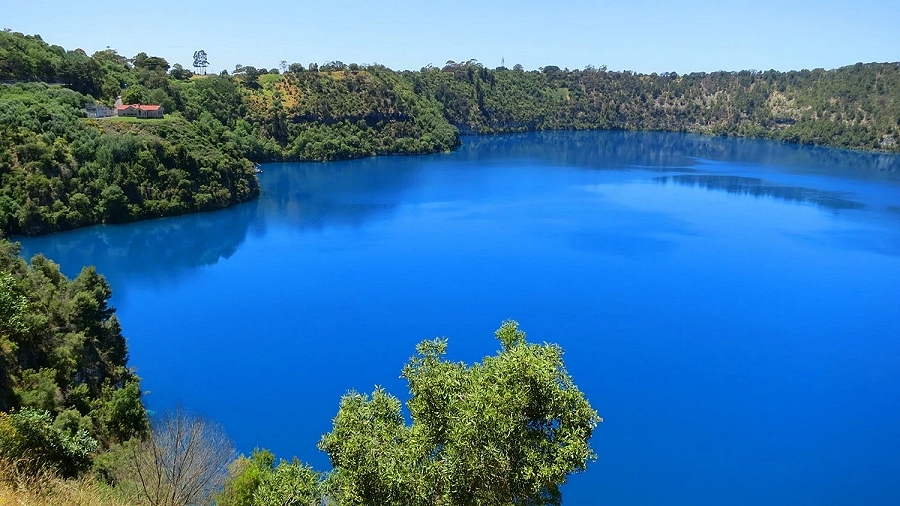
(63, 353)
(59, 171)
(290, 484)
(37, 389)
(29, 58)
(506, 431)
(13, 305)
(346, 114)
(256, 481)
(122, 416)
(245, 475)
(29, 438)
(856, 106)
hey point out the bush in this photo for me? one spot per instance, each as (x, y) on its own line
(29, 438)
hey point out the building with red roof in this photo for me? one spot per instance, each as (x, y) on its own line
(140, 110)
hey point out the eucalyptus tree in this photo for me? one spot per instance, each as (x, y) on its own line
(200, 60)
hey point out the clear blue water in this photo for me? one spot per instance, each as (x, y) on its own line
(730, 307)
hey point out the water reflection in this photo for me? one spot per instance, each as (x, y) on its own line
(319, 194)
(316, 195)
(624, 149)
(759, 188)
(161, 249)
(305, 195)
(599, 150)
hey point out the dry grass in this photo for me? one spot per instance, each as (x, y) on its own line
(45, 489)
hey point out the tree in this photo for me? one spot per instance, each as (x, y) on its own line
(184, 461)
(113, 206)
(246, 474)
(180, 73)
(200, 60)
(150, 63)
(13, 304)
(257, 481)
(506, 431)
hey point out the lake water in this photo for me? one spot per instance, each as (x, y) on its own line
(730, 307)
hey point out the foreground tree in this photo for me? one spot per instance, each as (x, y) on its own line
(257, 481)
(509, 430)
(33, 443)
(183, 462)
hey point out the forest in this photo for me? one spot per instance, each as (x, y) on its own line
(60, 169)
(66, 391)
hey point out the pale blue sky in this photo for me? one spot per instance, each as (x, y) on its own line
(643, 36)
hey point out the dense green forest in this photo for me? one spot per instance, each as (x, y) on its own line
(852, 107)
(65, 388)
(61, 170)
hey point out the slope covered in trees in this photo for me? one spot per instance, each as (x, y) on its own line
(65, 387)
(854, 107)
(60, 170)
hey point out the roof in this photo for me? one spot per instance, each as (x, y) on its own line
(140, 107)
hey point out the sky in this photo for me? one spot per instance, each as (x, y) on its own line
(679, 35)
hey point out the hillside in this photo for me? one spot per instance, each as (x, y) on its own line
(61, 170)
(851, 107)
(65, 386)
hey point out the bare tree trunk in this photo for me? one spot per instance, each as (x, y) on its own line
(183, 462)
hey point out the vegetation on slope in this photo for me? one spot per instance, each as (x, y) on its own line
(45, 488)
(854, 107)
(59, 170)
(65, 388)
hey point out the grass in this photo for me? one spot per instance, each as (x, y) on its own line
(132, 119)
(46, 489)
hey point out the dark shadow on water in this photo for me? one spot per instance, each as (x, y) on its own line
(596, 150)
(313, 195)
(302, 195)
(759, 188)
(158, 250)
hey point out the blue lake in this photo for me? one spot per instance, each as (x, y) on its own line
(730, 307)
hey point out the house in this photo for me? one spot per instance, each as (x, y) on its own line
(140, 110)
